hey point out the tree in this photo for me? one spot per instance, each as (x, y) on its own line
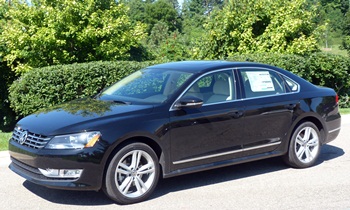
(331, 15)
(50, 32)
(163, 10)
(245, 26)
(346, 39)
(151, 12)
(195, 12)
(7, 116)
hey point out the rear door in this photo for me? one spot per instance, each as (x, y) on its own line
(269, 107)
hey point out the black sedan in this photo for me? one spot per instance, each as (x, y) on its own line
(172, 119)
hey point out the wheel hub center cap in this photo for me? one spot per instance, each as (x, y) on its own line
(133, 173)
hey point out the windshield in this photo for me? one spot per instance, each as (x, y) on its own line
(146, 86)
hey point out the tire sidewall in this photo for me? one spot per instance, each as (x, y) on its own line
(110, 186)
(292, 158)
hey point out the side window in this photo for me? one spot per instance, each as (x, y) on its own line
(214, 88)
(257, 83)
(293, 86)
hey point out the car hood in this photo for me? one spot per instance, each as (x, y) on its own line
(79, 115)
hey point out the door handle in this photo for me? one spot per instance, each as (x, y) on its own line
(236, 114)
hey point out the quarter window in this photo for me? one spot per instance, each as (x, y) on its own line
(294, 87)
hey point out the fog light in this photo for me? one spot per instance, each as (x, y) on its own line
(61, 173)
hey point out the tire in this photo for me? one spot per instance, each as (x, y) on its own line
(132, 174)
(304, 147)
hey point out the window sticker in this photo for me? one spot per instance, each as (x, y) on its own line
(260, 81)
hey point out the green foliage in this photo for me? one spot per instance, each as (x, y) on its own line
(331, 71)
(152, 12)
(163, 10)
(4, 140)
(194, 14)
(48, 86)
(7, 116)
(346, 39)
(173, 49)
(293, 63)
(245, 26)
(66, 31)
(159, 34)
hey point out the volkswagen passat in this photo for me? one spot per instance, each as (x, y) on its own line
(172, 119)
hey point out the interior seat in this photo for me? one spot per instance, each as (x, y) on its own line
(221, 92)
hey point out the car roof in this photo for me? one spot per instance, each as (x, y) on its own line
(206, 66)
(192, 66)
(203, 66)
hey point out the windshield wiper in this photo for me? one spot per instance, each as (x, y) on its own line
(121, 102)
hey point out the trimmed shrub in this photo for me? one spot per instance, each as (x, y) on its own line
(330, 70)
(48, 86)
(293, 63)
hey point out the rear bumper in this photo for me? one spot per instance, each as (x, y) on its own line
(333, 128)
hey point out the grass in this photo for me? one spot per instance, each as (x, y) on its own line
(4, 139)
(345, 111)
(335, 50)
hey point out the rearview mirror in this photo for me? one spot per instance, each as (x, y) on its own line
(189, 102)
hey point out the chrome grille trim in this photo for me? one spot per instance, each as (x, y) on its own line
(32, 140)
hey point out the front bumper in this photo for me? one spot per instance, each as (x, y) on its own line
(27, 161)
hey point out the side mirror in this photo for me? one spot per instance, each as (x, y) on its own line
(189, 102)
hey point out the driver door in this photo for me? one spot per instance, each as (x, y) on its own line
(211, 132)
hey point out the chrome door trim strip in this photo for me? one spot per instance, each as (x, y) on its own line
(262, 146)
(225, 153)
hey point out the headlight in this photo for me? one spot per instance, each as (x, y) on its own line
(74, 141)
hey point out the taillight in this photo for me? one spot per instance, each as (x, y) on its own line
(336, 98)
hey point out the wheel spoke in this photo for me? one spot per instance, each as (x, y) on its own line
(308, 154)
(307, 134)
(299, 140)
(136, 157)
(126, 185)
(119, 170)
(140, 185)
(300, 152)
(146, 169)
(312, 143)
(123, 169)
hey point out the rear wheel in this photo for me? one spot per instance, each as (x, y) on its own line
(132, 174)
(304, 147)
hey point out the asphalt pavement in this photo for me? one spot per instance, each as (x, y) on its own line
(265, 184)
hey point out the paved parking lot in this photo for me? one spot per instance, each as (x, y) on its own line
(266, 184)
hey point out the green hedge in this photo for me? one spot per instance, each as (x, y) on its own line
(46, 87)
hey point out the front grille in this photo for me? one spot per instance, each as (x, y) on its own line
(29, 139)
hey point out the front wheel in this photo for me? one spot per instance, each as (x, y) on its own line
(304, 147)
(132, 174)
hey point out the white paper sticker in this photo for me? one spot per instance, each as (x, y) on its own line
(260, 81)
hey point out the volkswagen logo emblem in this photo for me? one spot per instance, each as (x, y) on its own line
(23, 137)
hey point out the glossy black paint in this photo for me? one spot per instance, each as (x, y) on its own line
(186, 139)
